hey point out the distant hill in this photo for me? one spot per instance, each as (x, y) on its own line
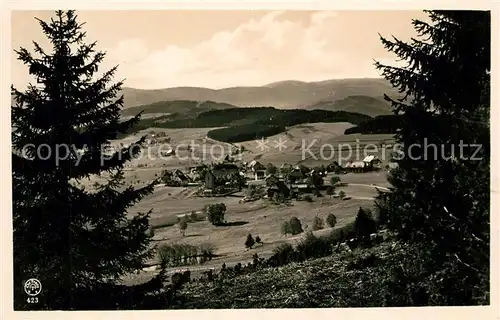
(284, 94)
(176, 106)
(372, 106)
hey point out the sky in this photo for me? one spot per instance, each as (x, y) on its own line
(219, 49)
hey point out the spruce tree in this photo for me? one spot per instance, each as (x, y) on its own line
(364, 224)
(71, 239)
(440, 203)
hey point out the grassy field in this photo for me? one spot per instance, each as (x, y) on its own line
(260, 217)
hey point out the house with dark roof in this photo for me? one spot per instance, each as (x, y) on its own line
(181, 177)
(257, 168)
(276, 187)
(220, 174)
(371, 161)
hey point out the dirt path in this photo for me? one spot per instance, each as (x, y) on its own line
(368, 185)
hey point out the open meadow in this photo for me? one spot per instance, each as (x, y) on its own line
(261, 217)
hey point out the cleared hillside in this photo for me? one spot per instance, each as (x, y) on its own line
(244, 121)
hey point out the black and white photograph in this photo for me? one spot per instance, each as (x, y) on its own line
(250, 159)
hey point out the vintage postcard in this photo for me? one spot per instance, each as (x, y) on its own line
(302, 158)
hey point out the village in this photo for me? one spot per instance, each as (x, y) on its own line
(263, 181)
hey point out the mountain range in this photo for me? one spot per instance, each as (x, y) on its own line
(354, 95)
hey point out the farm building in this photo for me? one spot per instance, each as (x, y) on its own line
(276, 187)
(167, 153)
(278, 190)
(181, 177)
(220, 174)
(334, 167)
(356, 166)
(300, 188)
(371, 161)
(257, 168)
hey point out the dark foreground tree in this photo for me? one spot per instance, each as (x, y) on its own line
(76, 242)
(441, 195)
(364, 224)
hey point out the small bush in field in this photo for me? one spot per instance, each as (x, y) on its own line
(331, 220)
(249, 242)
(286, 228)
(295, 226)
(183, 225)
(317, 224)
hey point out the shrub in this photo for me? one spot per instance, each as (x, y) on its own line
(334, 180)
(331, 220)
(364, 224)
(177, 254)
(151, 232)
(258, 240)
(342, 194)
(338, 235)
(308, 198)
(363, 262)
(216, 213)
(183, 225)
(286, 228)
(295, 226)
(330, 190)
(283, 254)
(178, 279)
(313, 247)
(271, 169)
(249, 242)
(251, 191)
(206, 251)
(317, 223)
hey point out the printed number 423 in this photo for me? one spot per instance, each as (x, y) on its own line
(32, 300)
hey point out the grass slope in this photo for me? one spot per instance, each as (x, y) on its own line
(269, 120)
(339, 280)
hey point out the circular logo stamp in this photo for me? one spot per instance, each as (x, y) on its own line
(32, 287)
